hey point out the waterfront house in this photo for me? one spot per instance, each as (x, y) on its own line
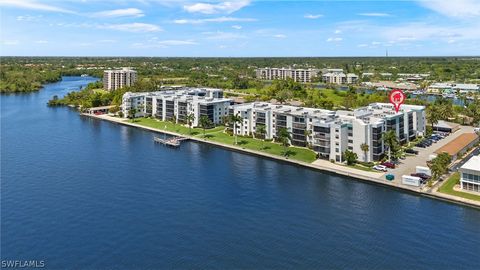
(470, 174)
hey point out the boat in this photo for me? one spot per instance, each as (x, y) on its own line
(84, 75)
(449, 95)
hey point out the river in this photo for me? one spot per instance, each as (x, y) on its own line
(79, 193)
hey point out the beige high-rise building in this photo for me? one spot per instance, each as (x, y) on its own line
(115, 79)
(298, 75)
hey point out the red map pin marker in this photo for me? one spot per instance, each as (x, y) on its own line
(397, 97)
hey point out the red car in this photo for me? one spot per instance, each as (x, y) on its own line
(389, 165)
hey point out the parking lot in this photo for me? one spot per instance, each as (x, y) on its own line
(407, 165)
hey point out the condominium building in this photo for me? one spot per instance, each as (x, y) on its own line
(470, 174)
(298, 75)
(176, 103)
(336, 76)
(331, 133)
(115, 79)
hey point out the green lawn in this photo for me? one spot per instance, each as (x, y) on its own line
(217, 135)
(360, 167)
(447, 188)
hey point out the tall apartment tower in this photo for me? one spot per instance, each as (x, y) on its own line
(115, 79)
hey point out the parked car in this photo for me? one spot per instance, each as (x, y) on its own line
(420, 144)
(421, 175)
(389, 165)
(411, 151)
(380, 168)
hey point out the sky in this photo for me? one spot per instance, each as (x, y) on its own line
(239, 28)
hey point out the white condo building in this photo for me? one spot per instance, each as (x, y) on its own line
(330, 133)
(336, 76)
(470, 174)
(177, 103)
(115, 79)
(298, 75)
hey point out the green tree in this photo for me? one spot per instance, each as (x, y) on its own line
(308, 134)
(261, 130)
(364, 147)
(439, 165)
(350, 157)
(131, 114)
(433, 114)
(391, 140)
(284, 137)
(190, 118)
(234, 119)
(205, 122)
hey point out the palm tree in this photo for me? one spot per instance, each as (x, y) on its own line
(284, 137)
(364, 147)
(190, 118)
(307, 133)
(204, 123)
(131, 113)
(390, 139)
(433, 114)
(235, 118)
(261, 130)
(148, 109)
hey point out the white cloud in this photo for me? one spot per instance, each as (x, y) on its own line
(132, 27)
(223, 35)
(222, 7)
(334, 39)
(126, 12)
(338, 31)
(219, 20)
(41, 42)
(31, 4)
(10, 42)
(153, 43)
(280, 36)
(362, 45)
(176, 42)
(374, 14)
(313, 16)
(454, 8)
(28, 18)
(238, 27)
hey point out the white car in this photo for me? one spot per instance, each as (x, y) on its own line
(380, 168)
(476, 130)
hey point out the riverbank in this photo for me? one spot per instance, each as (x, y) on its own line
(322, 165)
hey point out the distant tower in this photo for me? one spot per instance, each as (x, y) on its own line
(386, 52)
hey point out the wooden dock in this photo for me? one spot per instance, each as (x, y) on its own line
(174, 141)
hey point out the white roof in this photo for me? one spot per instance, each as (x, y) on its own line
(472, 164)
(466, 86)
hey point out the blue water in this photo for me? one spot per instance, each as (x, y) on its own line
(80, 193)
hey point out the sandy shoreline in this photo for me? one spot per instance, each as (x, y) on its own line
(372, 177)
